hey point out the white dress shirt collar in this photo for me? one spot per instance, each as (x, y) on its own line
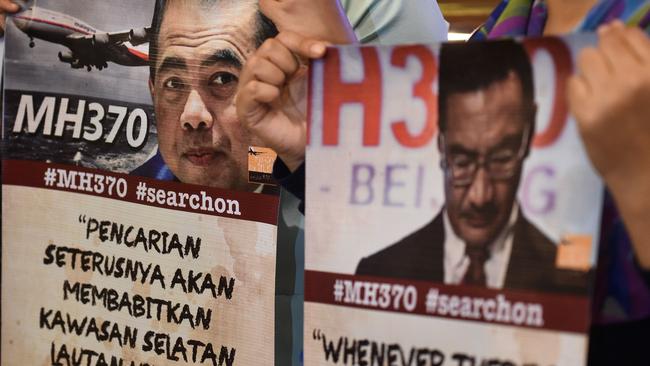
(456, 261)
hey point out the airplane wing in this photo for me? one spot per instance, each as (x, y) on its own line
(136, 36)
(100, 48)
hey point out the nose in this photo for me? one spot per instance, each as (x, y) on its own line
(481, 190)
(195, 114)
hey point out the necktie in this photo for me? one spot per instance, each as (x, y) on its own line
(475, 274)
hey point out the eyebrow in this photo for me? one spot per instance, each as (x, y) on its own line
(457, 149)
(223, 56)
(171, 63)
(506, 141)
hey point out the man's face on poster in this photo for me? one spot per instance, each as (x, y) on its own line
(201, 51)
(485, 142)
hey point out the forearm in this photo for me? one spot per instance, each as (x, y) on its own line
(609, 98)
(324, 20)
(633, 202)
(291, 180)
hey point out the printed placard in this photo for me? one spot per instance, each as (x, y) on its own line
(461, 225)
(131, 234)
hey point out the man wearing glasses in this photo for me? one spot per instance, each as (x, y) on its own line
(481, 237)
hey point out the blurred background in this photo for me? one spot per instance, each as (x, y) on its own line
(465, 15)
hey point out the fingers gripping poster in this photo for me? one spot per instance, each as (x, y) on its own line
(453, 215)
(132, 232)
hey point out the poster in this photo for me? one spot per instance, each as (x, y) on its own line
(460, 223)
(133, 232)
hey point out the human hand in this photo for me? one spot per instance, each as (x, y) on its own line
(271, 100)
(6, 7)
(610, 98)
(315, 19)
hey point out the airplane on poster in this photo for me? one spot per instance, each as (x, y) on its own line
(253, 152)
(87, 46)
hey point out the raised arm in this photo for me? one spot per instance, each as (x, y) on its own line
(271, 101)
(610, 98)
(316, 19)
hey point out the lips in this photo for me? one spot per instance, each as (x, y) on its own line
(479, 222)
(201, 157)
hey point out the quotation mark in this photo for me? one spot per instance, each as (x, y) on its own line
(338, 290)
(50, 177)
(141, 191)
(317, 334)
(82, 219)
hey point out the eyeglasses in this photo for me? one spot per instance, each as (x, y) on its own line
(501, 164)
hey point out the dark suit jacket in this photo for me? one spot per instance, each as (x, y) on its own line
(420, 256)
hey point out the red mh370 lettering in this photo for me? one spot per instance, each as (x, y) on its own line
(369, 92)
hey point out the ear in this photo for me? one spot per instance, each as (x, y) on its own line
(533, 128)
(441, 149)
(152, 90)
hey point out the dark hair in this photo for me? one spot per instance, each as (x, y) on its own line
(472, 66)
(265, 29)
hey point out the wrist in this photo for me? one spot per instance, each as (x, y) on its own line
(292, 161)
(632, 199)
(632, 194)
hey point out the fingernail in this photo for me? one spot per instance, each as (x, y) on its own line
(317, 49)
